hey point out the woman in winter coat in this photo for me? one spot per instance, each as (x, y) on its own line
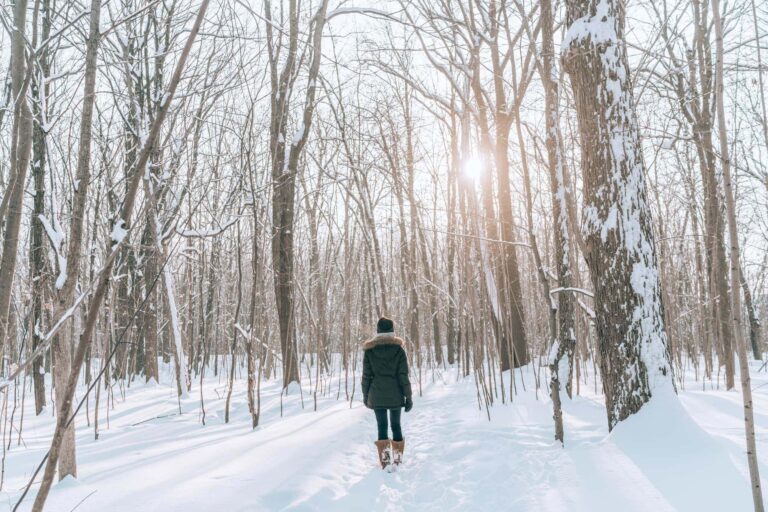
(386, 388)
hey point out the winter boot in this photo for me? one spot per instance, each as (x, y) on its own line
(385, 452)
(397, 451)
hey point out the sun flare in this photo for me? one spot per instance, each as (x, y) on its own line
(473, 168)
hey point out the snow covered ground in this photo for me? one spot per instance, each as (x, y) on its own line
(687, 457)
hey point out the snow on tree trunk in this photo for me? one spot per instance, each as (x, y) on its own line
(564, 343)
(620, 250)
(182, 376)
(38, 263)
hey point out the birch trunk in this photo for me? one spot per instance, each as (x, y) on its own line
(735, 270)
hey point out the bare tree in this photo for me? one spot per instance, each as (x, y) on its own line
(70, 274)
(11, 209)
(564, 343)
(285, 157)
(39, 268)
(735, 269)
(420, 162)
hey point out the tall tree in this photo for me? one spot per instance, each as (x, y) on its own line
(21, 147)
(62, 345)
(285, 155)
(735, 269)
(620, 250)
(564, 343)
(39, 268)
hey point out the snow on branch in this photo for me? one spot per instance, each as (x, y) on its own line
(588, 310)
(56, 236)
(175, 328)
(575, 290)
(247, 335)
(45, 340)
(207, 233)
(358, 10)
(298, 135)
(119, 232)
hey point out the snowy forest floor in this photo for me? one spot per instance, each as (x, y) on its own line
(150, 458)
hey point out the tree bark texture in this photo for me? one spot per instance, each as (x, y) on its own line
(620, 250)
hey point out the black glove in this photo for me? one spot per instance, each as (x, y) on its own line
(365, 401)
(408, 404)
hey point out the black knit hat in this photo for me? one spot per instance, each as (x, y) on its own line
(384, 325)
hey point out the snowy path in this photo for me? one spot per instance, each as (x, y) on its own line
(152, 459)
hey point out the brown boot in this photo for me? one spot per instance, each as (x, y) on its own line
(397, 451)
(385, 452)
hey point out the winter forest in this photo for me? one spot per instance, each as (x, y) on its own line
(206, 206)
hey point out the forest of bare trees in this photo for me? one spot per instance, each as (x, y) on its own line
(241, 188)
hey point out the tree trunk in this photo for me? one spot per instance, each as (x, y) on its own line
(284, 171)
(233, 348)
(619, 243)
(733, 232)
(452, 333)
(21, 145)
(66, 295)
(564, 343)
(253, 382)
(754, 323)
(39, 268)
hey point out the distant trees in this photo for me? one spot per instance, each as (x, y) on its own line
(692, 82)
(448, 37)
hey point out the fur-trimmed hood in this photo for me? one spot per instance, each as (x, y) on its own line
(385, 338)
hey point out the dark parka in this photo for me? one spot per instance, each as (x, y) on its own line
(385, 373)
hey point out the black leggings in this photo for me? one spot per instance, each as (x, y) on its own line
(394, 420)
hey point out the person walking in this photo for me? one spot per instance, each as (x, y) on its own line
(387, 389)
